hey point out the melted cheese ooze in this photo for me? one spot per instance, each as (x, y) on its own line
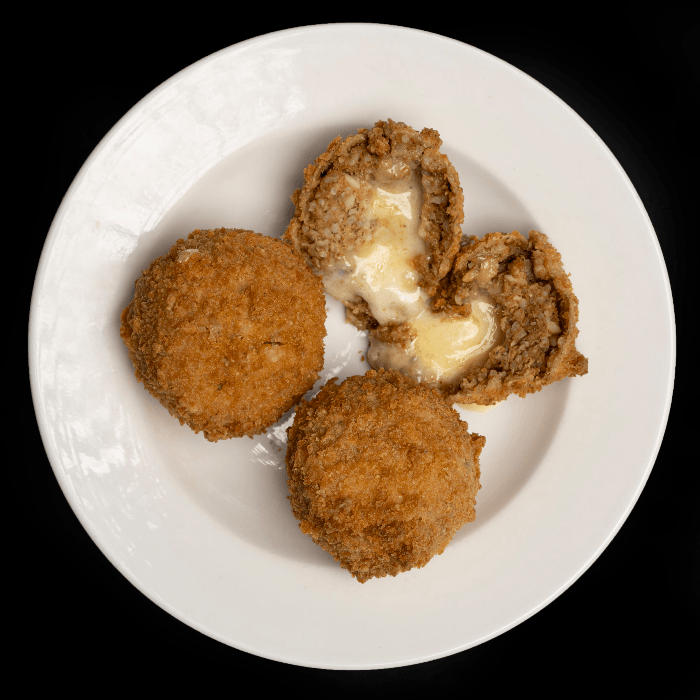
(382, 273)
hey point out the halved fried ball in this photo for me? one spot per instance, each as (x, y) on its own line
(226, 331)
(381, 472)
(333, 212)
(539, 311)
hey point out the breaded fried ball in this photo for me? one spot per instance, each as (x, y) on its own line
(539, 311)
(381, 473)
(226, 331)
(333, 214)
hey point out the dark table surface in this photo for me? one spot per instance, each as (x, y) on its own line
(624, 626)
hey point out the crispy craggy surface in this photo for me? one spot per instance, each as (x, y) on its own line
(331, 213)
(226, 331)
(539, 311)
(381, 472)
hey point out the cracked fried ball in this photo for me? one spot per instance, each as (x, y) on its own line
(379, 217)
(539, 311)
(335, 210)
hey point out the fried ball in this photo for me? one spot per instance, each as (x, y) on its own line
(334, 211)
(226, 331)
(538, 308)
(381, 473)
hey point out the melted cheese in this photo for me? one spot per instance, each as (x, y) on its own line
(381, 271)
(444, 347)
(383, 274)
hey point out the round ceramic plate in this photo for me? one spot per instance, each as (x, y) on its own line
(205, 530)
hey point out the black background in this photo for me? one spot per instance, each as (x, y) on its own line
(625, 627)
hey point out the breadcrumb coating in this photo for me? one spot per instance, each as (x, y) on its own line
(381, 473)
(226, 330)
(332, 216)
(539, 311)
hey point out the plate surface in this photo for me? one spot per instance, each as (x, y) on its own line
(205, 530)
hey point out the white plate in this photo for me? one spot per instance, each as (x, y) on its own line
(205, 530)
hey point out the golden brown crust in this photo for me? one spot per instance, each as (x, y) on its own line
(331, 215)
(226, 331)
(381, 473)
(539, 309)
